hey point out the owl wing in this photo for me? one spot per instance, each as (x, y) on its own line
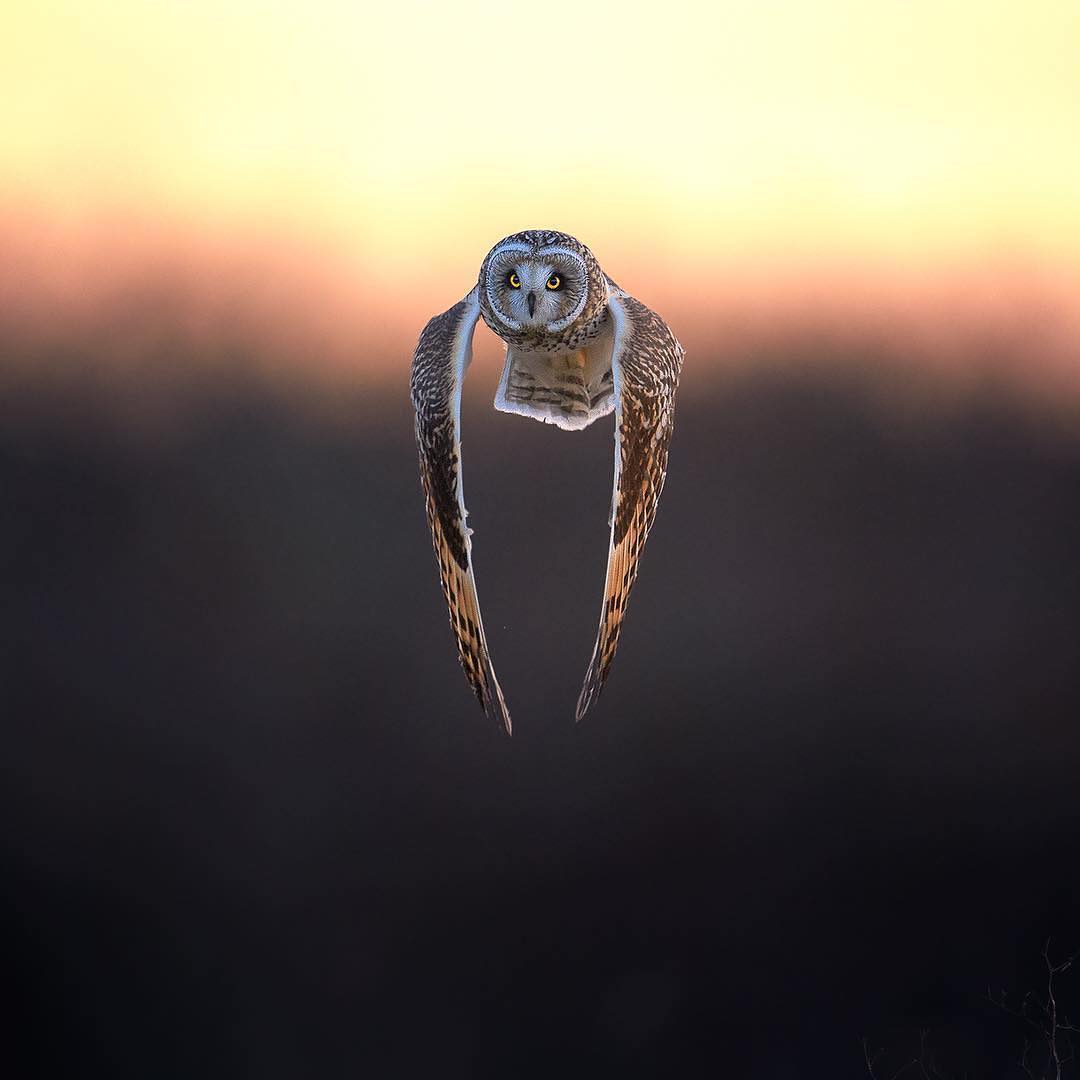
(439, 364)
(646, 361)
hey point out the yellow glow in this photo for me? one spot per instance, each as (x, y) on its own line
(739, 145)
(915, 125)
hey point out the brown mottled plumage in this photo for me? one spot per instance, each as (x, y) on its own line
(578, 347)
(442, 355)
(649, 360)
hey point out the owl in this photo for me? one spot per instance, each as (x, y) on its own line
(577, 348)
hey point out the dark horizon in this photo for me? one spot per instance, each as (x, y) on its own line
(256, 823)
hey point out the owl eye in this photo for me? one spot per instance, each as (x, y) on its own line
(514, 281)
(554, 281)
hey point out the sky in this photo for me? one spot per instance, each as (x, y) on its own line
(767, 156)
(831, 787)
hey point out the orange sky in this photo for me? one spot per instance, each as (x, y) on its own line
(900, 161)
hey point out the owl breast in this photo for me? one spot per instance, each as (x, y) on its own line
(565, 382)
(535, 339)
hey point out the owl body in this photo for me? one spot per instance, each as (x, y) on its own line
(577, 348)
(558, 353)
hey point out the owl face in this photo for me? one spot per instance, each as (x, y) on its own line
(535, 288)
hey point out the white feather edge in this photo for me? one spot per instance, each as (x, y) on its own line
(618, 317)
(462, 359)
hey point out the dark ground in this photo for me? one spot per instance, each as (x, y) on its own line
(253, 823)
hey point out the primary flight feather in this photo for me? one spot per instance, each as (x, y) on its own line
(577, 348)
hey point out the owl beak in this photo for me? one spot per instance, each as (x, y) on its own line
(531, 301)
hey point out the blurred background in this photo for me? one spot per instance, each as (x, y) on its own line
(254, 822)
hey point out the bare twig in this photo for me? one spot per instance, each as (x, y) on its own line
(873, 1058)
(1046, 1053)
(924, 1062)
(1044, 1017)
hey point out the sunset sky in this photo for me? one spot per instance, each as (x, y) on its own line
(737, 153)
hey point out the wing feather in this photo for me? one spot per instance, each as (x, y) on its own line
(439, 364)
(646, 363)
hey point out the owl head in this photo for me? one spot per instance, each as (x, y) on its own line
(539, 283)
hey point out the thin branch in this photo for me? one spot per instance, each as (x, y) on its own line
(873, 1059)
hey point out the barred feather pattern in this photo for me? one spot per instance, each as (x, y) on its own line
(439, 363)
(647, 362)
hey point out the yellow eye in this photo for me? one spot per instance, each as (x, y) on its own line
(515, 281)
(554, 281)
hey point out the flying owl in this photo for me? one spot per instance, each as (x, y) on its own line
(577, 348)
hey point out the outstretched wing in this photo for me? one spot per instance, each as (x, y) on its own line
(646, 361)
(442, 356)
